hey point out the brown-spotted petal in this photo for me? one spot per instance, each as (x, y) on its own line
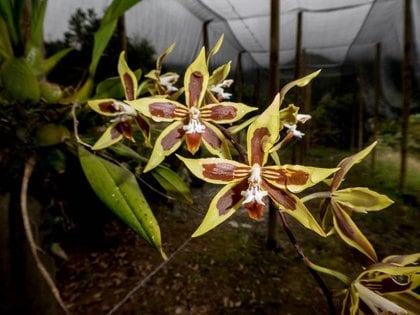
(225, 112)
(160, 109)
(223, 205)
(106, 107)
(145, 128)
(217, 170)
(295, 178)
(292, 205)
(196, 80)
(263, 133)
(350, 233)
(168, 141)
(111, 135)
(215, 141)
(128, 78)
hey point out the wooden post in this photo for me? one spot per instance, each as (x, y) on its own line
(360, 110)
(298, 74)
(239, 77)
(122, 33)
(406, 91)
(206, 35)
(257, 85)
(274, 88)
(307, 97)
(377, 88)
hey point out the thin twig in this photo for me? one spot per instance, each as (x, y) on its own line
(147, 278)
(76, 124)
(314, 273)
(235, 143)
(29, 167)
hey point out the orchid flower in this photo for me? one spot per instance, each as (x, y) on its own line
(219, 90)
(121, 112)
(163, 83)
(388, 287)
(193, 122)
(251, 184)
(342, 202)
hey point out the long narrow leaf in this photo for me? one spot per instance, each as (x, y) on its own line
(104, 33)
(118, 189)
(172, 183)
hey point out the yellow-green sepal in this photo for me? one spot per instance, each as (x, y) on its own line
(361, 199)
(303, 216)
(199, 73)
(267, 123)
(347, 163)
(215, 49)
(128, 78)
(213, 218)
(299, 83)
(108, 138)
(350, 233)
(160, 151)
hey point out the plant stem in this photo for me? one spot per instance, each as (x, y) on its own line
(314, 273)
(237, 145)
(320, 194)
(29, 166)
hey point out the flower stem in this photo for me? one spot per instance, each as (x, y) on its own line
(314, 273)
(320, 194)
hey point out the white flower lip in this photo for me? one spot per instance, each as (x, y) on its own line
(254, 192)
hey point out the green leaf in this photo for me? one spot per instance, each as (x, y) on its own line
(6, 13)
(105, 31)
(51, 134)
(51, 62)
(118, 189)
(19, 81)
(110, 88)
(6, 50)
(172, 183)
(361, 199)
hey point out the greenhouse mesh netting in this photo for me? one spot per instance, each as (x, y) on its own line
(339, 36)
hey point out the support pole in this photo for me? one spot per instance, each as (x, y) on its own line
(274, 88)
(378, 94)
(239, 78)
(360, 109)
(298, 73)
(122, 33)
(406, 92)
(206, 35)
(307, 98)
(257, 88)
